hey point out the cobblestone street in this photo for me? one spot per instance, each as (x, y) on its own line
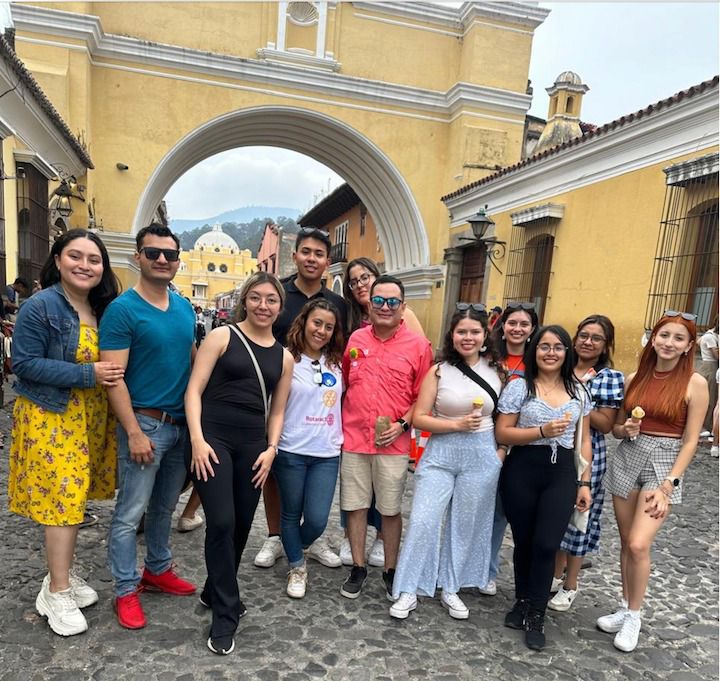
(327, 636)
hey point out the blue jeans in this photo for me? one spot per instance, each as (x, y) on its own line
(498, 533)
(152, 489)
(307, 487)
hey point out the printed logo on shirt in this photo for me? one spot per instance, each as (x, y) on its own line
(328, 380)
(329, 398)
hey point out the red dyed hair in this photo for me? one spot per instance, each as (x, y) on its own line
(669, 404)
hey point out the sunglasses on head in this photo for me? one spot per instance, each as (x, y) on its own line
(478, 307)
(378, 302)
(520, 306)
(311, 230)
(152, 253)
(685, 315)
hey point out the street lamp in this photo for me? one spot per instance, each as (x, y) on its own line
(480, 223)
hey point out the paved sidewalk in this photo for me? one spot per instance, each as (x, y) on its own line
(326, 636)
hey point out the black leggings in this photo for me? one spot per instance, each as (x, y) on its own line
(538, 497)
(229, 500)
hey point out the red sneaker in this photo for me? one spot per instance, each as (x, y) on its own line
(167, 582)
(129, 611)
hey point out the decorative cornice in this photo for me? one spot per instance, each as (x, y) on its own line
(679, 173)
(527, 14)
(299, 59)
(419, 281)
(310, 77)
(5, 130)
(546, 210)
(34, 159)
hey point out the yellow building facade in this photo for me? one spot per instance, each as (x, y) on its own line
(213, 266)
(622, 221)
(406, 101)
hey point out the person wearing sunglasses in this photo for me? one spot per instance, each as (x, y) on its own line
(658, 444)
(308, 459)
(383, 367)
(447, 543)
(311, 258)
(150, 331)
(594, 343)
(538, 417)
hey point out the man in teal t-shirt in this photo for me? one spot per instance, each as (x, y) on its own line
(150, 331)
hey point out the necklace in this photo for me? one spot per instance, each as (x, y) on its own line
(661, 375)
(547, 391)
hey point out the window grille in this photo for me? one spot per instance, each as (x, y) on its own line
(33, 222)
(685, 271)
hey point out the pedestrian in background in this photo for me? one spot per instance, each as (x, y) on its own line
(538, 416)
(63, 449)
(234, 433)
(665, 404)
(447, 544)
(708, 369)
(149, 330)
(594, 343)
(308, 459)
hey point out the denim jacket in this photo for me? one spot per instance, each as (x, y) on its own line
(45, 341)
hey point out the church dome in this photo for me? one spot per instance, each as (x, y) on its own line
(569, 77)
(216, 239)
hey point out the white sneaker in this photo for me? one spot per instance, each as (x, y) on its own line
(556, 584)
(715, 451)
(83, 594)
(456, 608)
(403, 606)
(189, 524)
(490, 589)
(705, 434)
(297, 582)
(627, 638)
(61, 610)
(323, 554)
(563, 599)
(271, 550)
(611, 624)
(346, 552)
(376, 557)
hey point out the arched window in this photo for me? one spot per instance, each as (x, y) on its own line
(223, 268)
(569, 104)
(211, 267)
(553, 106)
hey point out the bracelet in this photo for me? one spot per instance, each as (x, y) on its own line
(583, 483)
(542, 435)
(270, 444)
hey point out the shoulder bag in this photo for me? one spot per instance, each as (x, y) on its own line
(474, 376)
(259, 373)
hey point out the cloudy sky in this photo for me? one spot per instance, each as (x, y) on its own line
(629, 54)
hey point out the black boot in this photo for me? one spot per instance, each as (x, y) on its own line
(535, 629)
(515, 619)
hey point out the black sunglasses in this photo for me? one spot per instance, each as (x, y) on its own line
(311, 230)
(520, 306)
(685, 315)
(478, 307)
(152, 253)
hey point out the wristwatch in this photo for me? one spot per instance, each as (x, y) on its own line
(675, 482)
(404, 425)
(583, 483)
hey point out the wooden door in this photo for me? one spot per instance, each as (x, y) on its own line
(472, 274)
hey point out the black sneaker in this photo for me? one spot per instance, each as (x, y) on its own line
(388, 578)
(352, 586)
(515, 619)
(221, 646)
(206, 603)
(535, 630)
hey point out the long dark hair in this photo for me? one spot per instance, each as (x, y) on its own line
(355, 310)
(498, 334)
(296, 335)
(101, 295)
(605, 358)
(570, 383)
(449, 354)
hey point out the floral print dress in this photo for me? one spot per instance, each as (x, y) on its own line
(59, 461)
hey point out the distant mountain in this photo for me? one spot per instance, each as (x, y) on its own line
(242, 215)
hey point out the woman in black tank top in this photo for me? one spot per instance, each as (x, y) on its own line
(234, 431)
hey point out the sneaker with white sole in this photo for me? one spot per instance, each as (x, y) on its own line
(715, 451)
(403, 606)
(346, 552)
(456, 608)
(271, 550)
(612, 623)
(297, 582)
(61, 610)
(320, 551)
(490, 589)
(82, 592)
(627, 638)
(189, 524)
(376, 557)
(705, 434)
(556, 584)
(563, 599)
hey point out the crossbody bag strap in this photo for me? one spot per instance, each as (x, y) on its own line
(474, 376)
(259, 373)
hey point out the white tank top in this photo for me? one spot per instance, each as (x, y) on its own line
(456, 393)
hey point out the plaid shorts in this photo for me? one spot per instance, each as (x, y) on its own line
(643, 464)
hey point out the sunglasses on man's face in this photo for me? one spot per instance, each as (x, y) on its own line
(151, 253)
(378, 302)
(685, 315)
(520, 306)
(478, 307)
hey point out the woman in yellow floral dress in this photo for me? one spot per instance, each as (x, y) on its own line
(63, 437)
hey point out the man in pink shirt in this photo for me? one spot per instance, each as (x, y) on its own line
(383, 367)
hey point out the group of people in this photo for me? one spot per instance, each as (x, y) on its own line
(305, 385)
